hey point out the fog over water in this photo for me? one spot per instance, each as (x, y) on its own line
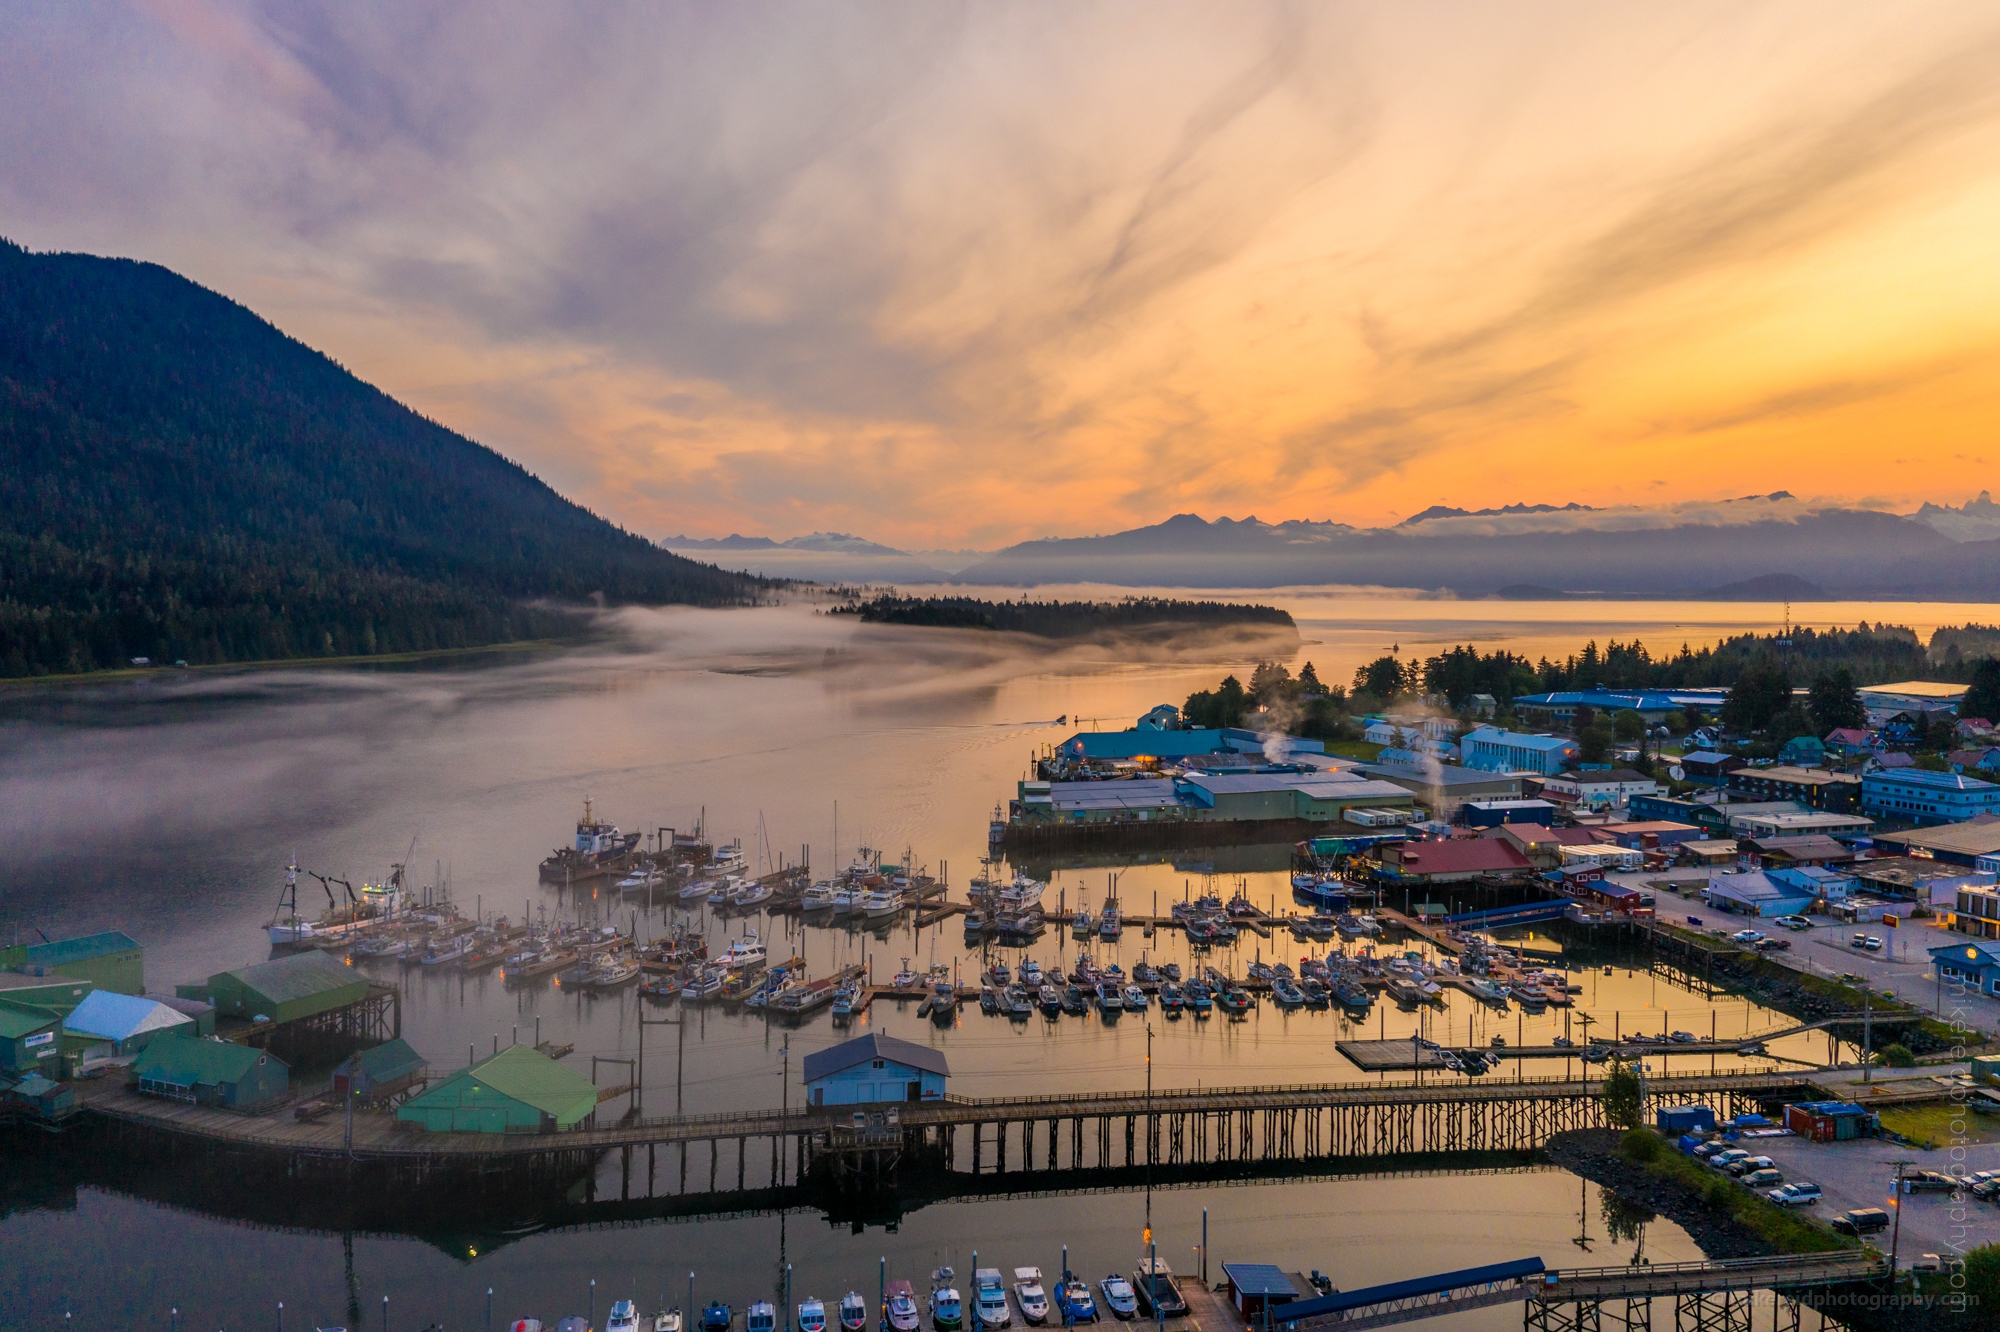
(168, 808)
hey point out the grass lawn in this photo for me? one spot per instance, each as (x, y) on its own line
(1358, 750)
(1941, 1124)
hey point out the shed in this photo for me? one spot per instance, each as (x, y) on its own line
(1255, 1286)
(107, 1024)
(379, 1073)
(873, 1069)
(519, 1090)
(1986, 1070)
(212, 1073)
(30, 1036)
(286, 989)
(1829, 1121)
(1673, 1119)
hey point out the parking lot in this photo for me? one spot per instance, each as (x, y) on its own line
(1860, 1174)
(1902, 965)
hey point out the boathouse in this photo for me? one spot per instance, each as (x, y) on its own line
(213, 1073)
(873, 1069)
(519, 1090)
(284, 990)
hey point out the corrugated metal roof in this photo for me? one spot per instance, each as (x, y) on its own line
(1150, 793)
(1403, 1290)
(392, 1059)
(875, 1045)
(187, 1062)
(83, 947)
(116, 1017)
(532, 1078)
(18, 1020)
(300, 976)
(1262, 1279)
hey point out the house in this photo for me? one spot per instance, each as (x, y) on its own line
(219, 1074)
(519, 1090)
(1804, 751)
(873, 1069)
(1884, 701)
(1594, 788)
(1481, 705)
(30, 1037)
(109, 961)
(1974, 963)
(1815, 788)
(1451, 861)
(1257, 1287)
(107, 1025)
(1708, 768)
(1915, 795)
(1490, 749)
(1165, 717)
(1790, 852)
(1755, 894)
(1850, 741)
(283, 990)
(1963, 844)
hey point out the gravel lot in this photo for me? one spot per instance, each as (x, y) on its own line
(1859, 1174)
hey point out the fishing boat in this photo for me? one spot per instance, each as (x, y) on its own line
(287, 928)
(1321, 894)
(695, 890)
(1080, 924)
(750, 893)
(1119, 1297)
(944, 999)
(667, 1320)
(999, 974)
(1491, 991)
(947, 1310)
(1134, 999)
(599, 849)
(1316, 993)
(1404, 990)
(853, 1312)
(1286, 993)
(717, 1317)
(761, 1316)
(611, 974)
(812, 1315)
(1050, 999)
(881, 903)
(1031, 973)
(1109, 925)
(639, 881)
(1074, 1001)
(1172, 999)
(1110, 1003)
(668, 986)
(705, 987)
(1019, 1005)
(843, 1001)
(989, 1298)
(1352, 994)
(624, 1317)
(744, 954)
(1200, 998)
(1028, 1293)
(818, 898)
(1235, 1001)
(446, 954)
(846, 901)
(989, 1000)
(522, 1325)
(900, 1309)
(1073, 1300)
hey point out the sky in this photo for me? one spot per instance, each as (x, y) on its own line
(954, 276)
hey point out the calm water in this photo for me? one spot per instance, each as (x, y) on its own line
(168, 808)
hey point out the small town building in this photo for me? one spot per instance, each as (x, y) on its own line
(1824, 884)
(519, 1090)
(1490, 749)
(1917, 795)
(283, 990)
(1787, 818)
(380, 1074)
(1598, 788)
(1914, 879)
(220, 1074)
(1709, 854)
(1453, 861)
(1963, 844)
(61, 993)
(1493, 813)
(1168, 746)
(1850, 741)
(1443, 788)
(1652, 834)
(1884, 701)
(873, 1069)
(1706, 767)
(1789, 852)
(30, 1038)
(1815, 788)
(109, 961)
(1652, 705)
(107, 1025)
(1974, 963)
(1803, 751)
(1753, 893)
(1977, 912)
(1255, 1287)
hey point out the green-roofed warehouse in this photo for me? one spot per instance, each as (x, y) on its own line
(209, 1072)
(519, 1090)
(30, 1038)
(110, 961)
(283, 990)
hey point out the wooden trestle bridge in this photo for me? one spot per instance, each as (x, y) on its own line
(763, 1149)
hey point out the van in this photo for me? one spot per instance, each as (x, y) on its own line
(1861, 1221)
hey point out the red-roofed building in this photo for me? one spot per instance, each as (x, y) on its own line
(1451, 861)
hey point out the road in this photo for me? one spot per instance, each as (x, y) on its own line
(1860, 1173)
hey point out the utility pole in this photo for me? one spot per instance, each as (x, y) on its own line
(1896, 1235)
(1868, 1044)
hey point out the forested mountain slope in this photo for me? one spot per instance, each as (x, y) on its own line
(183, 481)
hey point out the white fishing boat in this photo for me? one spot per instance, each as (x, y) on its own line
(762, 1316)
(639, 881)
(287, 928)
(747, 951)
(881, 903)
(624, 1317)
(947, 1310)
(989, 1298)
(819, 897)
(750, 894)
(667, 1320)
(1028, 1293)
(846, 901)
(696, 890)
(853, 1312)
(812, 1315)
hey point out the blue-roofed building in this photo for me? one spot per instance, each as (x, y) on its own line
(1147, 743)
(1255, 1287)
(1974, 963)
(873, 1069)
(1490, 749)
(1655, 705)
(1915, 795)
(1756, 894)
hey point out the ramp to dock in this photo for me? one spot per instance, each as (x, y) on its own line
(1499, 917)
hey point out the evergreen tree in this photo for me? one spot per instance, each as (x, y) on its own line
(1982, 694)
(1835, 702)
(1761, 693)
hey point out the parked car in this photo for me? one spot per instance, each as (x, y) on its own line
(1874, 944)
(1749, 1164)
(1773, 945)
(1861, 1221)
(1931, 1181)
(1800, 1194)
(1748, 936)
(1764, 1179)
(1858, 941)
(1795, 922)
(1725, 1159)
(1986, 1190)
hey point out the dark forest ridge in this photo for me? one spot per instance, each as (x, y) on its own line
(185, 482)
(1070, 619)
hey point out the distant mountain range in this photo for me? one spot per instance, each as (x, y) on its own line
(183, 481)
(1758, 548)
